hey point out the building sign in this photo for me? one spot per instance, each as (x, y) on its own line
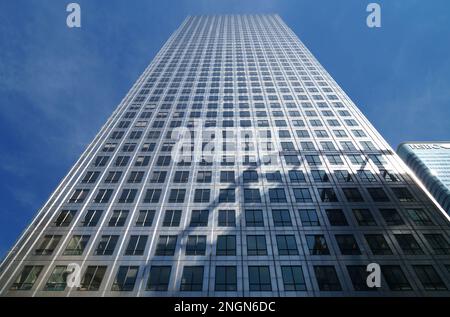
(429, 146)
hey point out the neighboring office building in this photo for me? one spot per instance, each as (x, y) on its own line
(430, 161)
(300, 196)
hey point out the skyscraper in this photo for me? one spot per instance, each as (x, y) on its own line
(235, 166)
(430, 161)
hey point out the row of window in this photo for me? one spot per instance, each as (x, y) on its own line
(256, 244)
(250, 195)
(271, 157)
(252, 217)
(248, 176)
(226, 278)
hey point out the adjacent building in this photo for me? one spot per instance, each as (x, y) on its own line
(430, 161)
(235, 166)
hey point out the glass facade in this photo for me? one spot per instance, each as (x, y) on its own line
(235, 166)
(430, 161)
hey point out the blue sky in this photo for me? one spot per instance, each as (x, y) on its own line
(59, 85)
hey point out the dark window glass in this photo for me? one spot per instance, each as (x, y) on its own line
(226, 278)
(259, 278)
(192, 278)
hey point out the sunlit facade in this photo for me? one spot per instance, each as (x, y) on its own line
(281, 186)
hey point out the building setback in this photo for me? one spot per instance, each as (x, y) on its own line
(430, 161)
(235, 166)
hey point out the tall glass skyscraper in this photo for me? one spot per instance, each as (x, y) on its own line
(235, 166)
(430, 161)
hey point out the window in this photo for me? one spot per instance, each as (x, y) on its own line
(419, 217)
(259, 278)
(378, 244)
(166, 245)
(181, 177)
(76, 245)
(227, 195)
(125, 278)
(106, 245)
(327, 195)
(127, 196)
(251, 195)
(121, 161)
(320, 176)
(227, 218)
(356, 159)
(309, 217)
(48, 245)
(159, 277)
(158, 177)
(335, 159)
(302, 195)
(27, 278)
(347, 244)
(163, 161)
(336, 217)
(92, 278)
(281, 218)
(91, 218)
(57, 280)
(192, 278)
(391, 217)
(202, 195)
(343, 176)
(292, 160)
(196, 245)
(177, 196)
(142, 161)
(313, 160)
(226, 278)
(317, 245)
(226, 245)
(378, 194)
(364, 217)
(358, 275)
(118, 218)
(403, 194)
(366, 176)
(287, 245)
(64, 218)
(254, 218)
(395, 278)
(199, 218)
(352, 195)
(429, 278)
(250, 176)
(135, 177)
(145, 218)
(172, 218)
(101, 161)
(136, 245)
(408, 244)
(293, 279)
(438, 243)
(256, 245)
(113, 177)
(78, 196)
(152, 196)
(273, 177)
(277, 195)
(204, 177)
(327, 278)
(227, 176)
(388, 176)
(296, 176)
